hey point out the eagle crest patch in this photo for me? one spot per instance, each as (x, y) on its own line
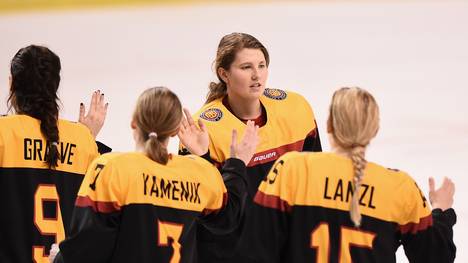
(275, 94)
(212, 114)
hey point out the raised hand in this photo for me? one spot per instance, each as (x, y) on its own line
(245, 149)
(442, 197)
(97, 112)
(194, 138)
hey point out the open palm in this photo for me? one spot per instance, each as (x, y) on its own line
(194, 138)
(245, 149)
(443, 196)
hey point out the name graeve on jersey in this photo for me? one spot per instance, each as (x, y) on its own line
(171, 189)
(36, 150)
(344, 191)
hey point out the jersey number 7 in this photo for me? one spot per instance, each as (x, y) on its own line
(170, 233)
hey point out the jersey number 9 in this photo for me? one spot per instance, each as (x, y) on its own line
(46, 226)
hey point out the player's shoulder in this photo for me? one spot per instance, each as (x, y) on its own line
(12, 119)
(393, 172)
(197, 167)
(282, 96)
(71, 126)
(213, 111)
(395, 178)
(109, 158)
(193, 162)
(314, 157)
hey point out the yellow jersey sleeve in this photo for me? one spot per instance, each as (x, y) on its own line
(102, 187)
(417, 210)
(277, 189)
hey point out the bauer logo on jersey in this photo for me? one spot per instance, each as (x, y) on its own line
(212, 114)
(275, 94)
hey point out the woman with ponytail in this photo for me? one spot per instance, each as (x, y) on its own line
(286, 121)
(338, 207)
(42, 159)
(142, 206)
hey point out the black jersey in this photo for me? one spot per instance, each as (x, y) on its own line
(37, 201)
(303, 215)
(290, 126)
(132, 209)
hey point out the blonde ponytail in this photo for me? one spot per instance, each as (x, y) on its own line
(354, 121)
(156, 151)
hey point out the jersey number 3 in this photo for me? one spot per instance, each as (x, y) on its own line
(46, 226)
(320, 240)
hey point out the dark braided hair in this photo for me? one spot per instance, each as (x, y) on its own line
(35, 73)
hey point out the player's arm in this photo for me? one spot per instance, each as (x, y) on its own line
(312, 141)
(271, 208)
(234, 173)
(234, 193)
(102, 148)
(431, 238)
(95, 220)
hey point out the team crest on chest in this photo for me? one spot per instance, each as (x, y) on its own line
(212, 114)
(275, 94)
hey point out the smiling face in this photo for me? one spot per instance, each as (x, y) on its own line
(246, 77)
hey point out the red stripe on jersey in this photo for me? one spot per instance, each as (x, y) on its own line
(272, 201)
(97, 206)
(313, 133)
(275, 153)
(413, 228)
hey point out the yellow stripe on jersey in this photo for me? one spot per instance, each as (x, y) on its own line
(22, 145)
(325, 180)
(289, 120)
(185, 182)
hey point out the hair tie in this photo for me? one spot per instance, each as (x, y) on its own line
(153, 135)
(55, 143)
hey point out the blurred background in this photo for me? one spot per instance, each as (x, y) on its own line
(411, 55)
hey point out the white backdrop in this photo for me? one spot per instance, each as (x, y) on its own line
(412, 56)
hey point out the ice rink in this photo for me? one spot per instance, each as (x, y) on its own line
(413, 56)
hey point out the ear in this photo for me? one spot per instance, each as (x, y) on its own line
(133, 125)
(223, 74)
(329, 125)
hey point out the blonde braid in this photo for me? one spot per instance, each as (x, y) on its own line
(359, 164)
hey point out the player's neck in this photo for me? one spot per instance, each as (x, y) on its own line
(340, 151)
(245, 109)
(140, 146)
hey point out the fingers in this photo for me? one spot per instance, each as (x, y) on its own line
(202, 125)
(189, 117)
(251, 133)
(184, 123)
(94, 100)
(82, 112)
(234, 137)
(234, 143)
(449, 185)
(431, 184)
